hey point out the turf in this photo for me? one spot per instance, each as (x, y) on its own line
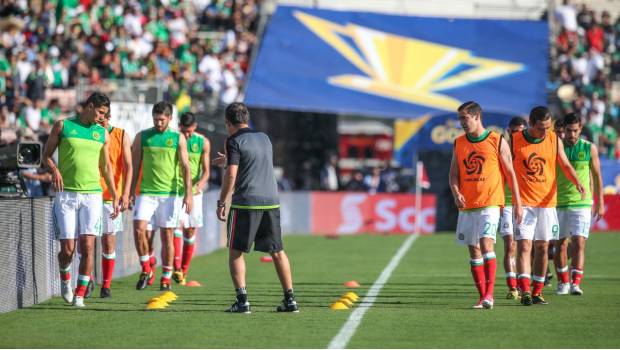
(424, 304)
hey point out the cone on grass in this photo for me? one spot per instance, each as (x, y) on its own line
(158, 301)
(156, 305)
(338, 306)
(351, 296)
(266, 259)
(351, 284)
(193, 284)
(346, 301)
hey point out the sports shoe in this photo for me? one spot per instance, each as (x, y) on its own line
(66, 291)
(164, 286)
(288, 305)
(487, 304)
(548, 278)
(105, 293)
(239, 308)
(513, 294)
(143, 281)
(78, 301)
(177, 276)
(89, 289)
(563, 289)
(526, 299)
(539, 300)
(478, 305)
(575, 290)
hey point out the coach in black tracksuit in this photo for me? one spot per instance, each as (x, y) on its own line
(254, 217)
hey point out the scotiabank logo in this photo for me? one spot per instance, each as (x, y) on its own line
(348, 213)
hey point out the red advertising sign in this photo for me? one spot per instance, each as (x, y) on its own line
(611, 220)
(349, 213)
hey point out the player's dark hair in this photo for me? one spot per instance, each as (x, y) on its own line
(97, 99)
(162, 107)
(237, 113)
(539, 113)
(470, 107)
(517, 121)
(187, 119)
(571, 118)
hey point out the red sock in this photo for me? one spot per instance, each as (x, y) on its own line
(511, 280)
(477, 272)
(65, 275)
(539, 284)
(145, 263)
(178, 251)
(577, 276)
(107, 268)
(188, 252)
(80, 291)
(166, 273)
(152, 260)
(490, 265)
(524, 282)
(563, 275)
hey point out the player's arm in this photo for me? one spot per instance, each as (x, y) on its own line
(204, 177)
(505, 158)
(127, 172)
(595, 169)
(187, 174)
(568, 169)
(232, 156)
(105, 167)
(50, 147)
(459, 200)
(136, 160)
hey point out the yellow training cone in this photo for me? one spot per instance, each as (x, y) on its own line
(338, 306)
(155, 306)
(166, 298)
(159, 301)
(346, 301)
(352, 296)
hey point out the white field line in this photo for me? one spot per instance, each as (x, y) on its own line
(346, 332)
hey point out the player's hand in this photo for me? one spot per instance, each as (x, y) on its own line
(188, 203)
(132, 202)
(57, 180)
(221, 213)
(200, 185)
(220, 160)
(124, 204)
(518, 213)
(116, 207)
(581, 190)
(459, 200)
(598, 211)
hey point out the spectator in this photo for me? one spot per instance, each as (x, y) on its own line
(356, 184)
(374, 181)
(566, 15)
(330, 174)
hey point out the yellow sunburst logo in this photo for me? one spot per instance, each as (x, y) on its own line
(169, 142)
(96, 135)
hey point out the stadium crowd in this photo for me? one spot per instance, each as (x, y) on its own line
(587, 49)
(199, 46)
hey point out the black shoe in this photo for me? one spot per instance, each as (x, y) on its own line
(288, 305)
(142, 282)
(240, 308)
(105, 293)
(548, 279)
(526, 299)
(539, 300)
(164, 287)
(89, 289)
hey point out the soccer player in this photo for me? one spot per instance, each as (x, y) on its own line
(254, 217)
(82, 159)
(536, 152)
(156, 153)
(506, 230)
(479, 159)
(198, 148)
(574, 211)
(120, 159)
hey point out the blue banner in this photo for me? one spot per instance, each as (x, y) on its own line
(397, 66)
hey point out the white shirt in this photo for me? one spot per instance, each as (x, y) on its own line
(567, 16)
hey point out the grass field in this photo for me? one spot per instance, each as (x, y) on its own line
(425, 303)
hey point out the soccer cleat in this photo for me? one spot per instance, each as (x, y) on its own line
(89, 289)
(575, 290)
(239, 308)
(105, 293)
(178, 276)
(78, 301)
(163, 286)
(513, 294)
(288, 305)
(539, 300)
(548, 278)
(487, 304)
(526, 299)
(478, 305)
(143, 281)
(66, 291)
(563, 289)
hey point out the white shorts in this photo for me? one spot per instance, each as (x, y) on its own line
(575, 222)
(111, 226)
(476, 224)
(159, 211)
(538, 224)
(505, 222)
(77, 214)
(193, 219)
